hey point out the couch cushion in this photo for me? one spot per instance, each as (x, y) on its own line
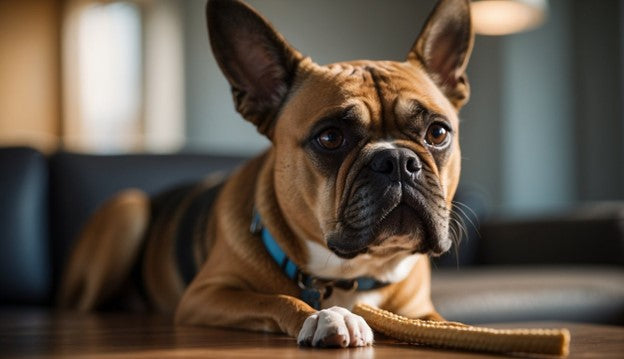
(24, 257)
(592, 234)
(80, 183)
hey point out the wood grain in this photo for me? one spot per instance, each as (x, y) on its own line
(43, 334)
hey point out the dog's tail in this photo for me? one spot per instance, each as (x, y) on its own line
(104, 255)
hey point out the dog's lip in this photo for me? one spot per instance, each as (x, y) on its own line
(439, 249)
(400, 206)
(375, 229)
(348, 254)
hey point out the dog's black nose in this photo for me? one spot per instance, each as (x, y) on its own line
(396, 163)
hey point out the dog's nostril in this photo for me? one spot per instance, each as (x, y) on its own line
(412, 165)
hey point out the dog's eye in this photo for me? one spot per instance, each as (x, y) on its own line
(437, 134)
(330, 139)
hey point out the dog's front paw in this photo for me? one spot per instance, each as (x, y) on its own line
(335, 327)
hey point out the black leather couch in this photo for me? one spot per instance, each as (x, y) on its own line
(568, 268)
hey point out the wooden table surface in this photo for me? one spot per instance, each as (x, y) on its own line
(42, 334)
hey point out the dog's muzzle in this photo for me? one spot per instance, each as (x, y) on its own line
(392, 197)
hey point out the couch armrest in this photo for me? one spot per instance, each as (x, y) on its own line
(24, 258)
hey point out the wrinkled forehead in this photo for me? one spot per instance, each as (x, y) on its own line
(378, 92)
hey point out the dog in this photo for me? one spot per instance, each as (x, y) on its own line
(353, 196)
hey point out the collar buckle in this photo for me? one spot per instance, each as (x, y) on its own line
(325, 288)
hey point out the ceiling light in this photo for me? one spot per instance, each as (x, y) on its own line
(503, 17)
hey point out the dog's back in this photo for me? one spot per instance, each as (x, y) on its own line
(140, 252)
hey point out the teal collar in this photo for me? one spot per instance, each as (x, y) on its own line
(313, 289)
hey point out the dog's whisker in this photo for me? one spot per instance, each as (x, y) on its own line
(474, 223)
(459, 230)
(467, 208)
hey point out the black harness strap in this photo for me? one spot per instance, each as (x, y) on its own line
(191, 224)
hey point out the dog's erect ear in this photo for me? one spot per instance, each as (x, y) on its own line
(444, 46)
(255, 59)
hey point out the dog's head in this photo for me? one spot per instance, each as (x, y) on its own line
(366, 153)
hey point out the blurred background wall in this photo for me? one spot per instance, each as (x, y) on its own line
(544, 129)
(30, 87)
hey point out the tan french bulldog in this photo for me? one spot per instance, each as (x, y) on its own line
(345, 206)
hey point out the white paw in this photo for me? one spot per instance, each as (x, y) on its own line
(335, 327)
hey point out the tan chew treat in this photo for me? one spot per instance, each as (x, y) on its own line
(464, 337)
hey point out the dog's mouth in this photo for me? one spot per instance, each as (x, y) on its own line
(393, 232)
(400, 219)
(346, 253)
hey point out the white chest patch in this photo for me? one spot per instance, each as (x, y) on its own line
(325, 264)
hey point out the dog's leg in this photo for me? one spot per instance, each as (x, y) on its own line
(105, 252)
(227, 307)
(334, 327)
